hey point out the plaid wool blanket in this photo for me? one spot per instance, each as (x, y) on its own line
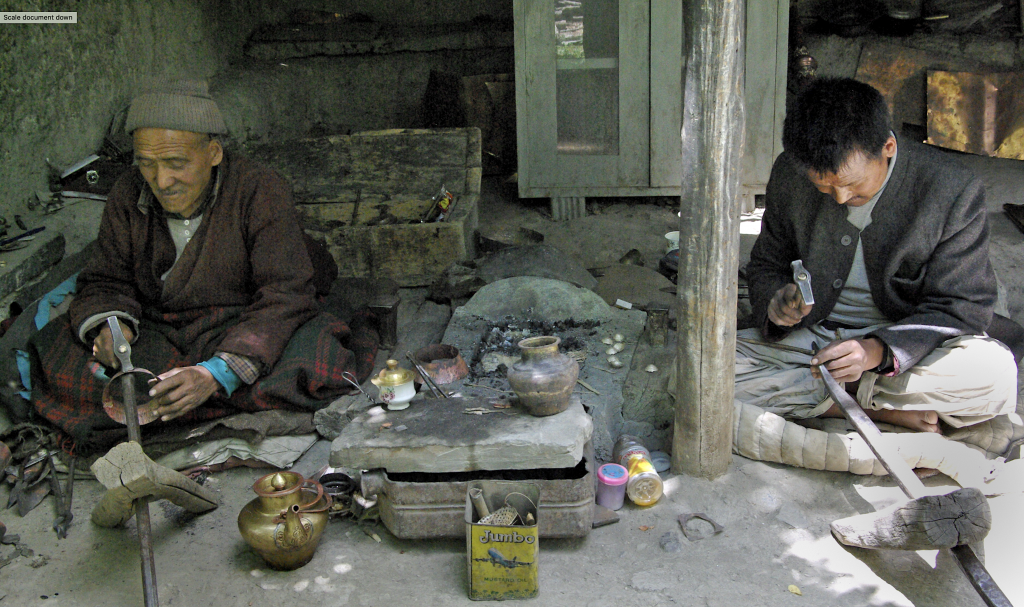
(67, 383)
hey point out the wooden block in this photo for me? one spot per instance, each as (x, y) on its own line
(335, 214)
(926, 523)
(128, 474)
(389, 177)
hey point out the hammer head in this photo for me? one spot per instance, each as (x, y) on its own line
(802, 278)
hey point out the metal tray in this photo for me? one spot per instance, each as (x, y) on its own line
(429, 505)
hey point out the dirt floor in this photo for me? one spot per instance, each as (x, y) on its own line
(775, 544)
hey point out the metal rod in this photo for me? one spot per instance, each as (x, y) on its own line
(146, 551)
(427, 379)
(148, 563)
(8, 241)
(775, 346)
(912, 486)
(423, 375)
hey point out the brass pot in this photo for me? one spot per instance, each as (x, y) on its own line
(545, 378)
(284, 524)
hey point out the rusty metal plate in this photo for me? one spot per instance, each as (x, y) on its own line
(900, 74)
(977, 113)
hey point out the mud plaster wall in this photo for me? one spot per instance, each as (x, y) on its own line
(60, 84)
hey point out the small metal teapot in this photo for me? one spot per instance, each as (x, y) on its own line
(396, 385)
(284, 524)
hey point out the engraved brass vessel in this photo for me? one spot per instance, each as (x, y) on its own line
(284, 523)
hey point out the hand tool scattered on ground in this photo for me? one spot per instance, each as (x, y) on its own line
(62, 497)
(29, 488)
(13, 239)
(912, 486)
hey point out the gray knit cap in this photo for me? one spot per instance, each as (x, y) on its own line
(180, 105)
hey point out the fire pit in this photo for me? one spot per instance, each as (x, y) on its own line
(504, 312)
(420, 459)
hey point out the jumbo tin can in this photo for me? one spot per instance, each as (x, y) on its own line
(502, 559)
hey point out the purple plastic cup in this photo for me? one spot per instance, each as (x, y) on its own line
(611, 486)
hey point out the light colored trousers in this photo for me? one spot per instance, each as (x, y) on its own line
(966, 380)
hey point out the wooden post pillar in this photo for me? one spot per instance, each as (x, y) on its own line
(712, 140)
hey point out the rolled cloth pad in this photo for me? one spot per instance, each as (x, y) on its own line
(765, 436)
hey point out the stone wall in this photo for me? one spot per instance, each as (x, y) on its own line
(61, 84)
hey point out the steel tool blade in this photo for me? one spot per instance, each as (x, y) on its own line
(912, 486)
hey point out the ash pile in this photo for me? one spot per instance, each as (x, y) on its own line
(498, 347)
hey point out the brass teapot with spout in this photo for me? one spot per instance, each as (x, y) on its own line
(284, 523)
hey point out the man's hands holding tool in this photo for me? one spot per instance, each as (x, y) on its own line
(847, 360)
(180, 390)
(787, 307)
(177, 392)
(103, 345)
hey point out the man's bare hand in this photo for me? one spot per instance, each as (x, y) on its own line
(787, 307)
(103, 345)
(180, 390)
(847, 360)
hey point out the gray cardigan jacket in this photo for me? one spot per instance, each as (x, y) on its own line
(926, 251)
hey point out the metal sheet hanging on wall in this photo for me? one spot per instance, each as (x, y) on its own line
(977, 113)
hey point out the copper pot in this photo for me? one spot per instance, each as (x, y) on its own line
(442, 362)
(284, 524)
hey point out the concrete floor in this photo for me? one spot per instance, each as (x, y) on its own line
(642, 560)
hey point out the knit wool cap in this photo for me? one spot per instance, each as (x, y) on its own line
(180, 105)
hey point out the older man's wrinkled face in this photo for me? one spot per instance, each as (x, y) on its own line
(858, 180)
(177, 165)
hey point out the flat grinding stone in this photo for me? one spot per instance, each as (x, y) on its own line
(440, 437)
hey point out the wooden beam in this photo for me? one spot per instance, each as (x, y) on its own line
(712, 141)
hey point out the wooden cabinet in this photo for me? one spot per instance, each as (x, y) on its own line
(599, 97)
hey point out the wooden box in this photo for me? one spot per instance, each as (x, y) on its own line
(365, 194)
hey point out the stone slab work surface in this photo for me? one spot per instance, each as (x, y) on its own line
(439, 436)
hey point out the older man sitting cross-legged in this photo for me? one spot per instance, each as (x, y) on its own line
(202, 259)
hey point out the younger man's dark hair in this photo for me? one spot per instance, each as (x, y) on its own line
(833, 118)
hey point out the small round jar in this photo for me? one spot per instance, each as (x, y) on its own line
(611, 486)
(395, 385)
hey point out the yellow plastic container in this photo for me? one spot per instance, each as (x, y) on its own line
(502, 559)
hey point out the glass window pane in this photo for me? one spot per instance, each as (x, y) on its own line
(587, 76)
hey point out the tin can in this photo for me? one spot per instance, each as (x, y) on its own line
(644, 487)
(502, 558)
(611, 486)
